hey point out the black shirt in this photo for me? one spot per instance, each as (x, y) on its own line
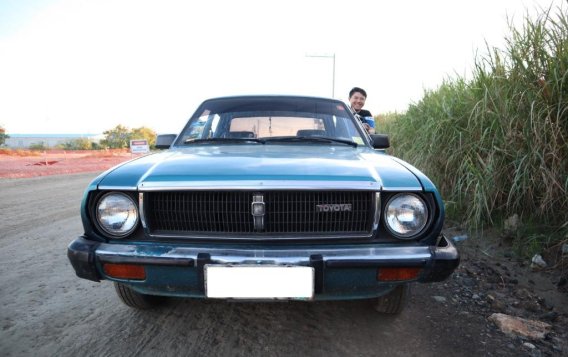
(363, 113)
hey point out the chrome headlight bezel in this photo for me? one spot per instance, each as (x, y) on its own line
(127, 206)
(389, 216)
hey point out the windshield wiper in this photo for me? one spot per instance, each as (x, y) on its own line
(318, 139)
(223, 140)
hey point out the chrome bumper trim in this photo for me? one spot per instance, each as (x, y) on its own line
(438, 261)
(158, 255)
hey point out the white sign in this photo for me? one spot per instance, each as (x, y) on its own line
(139, 146)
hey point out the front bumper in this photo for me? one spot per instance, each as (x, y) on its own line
(437, 262)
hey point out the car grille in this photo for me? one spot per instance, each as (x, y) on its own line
(288, 213)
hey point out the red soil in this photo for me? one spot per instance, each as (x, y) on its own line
(22, 164)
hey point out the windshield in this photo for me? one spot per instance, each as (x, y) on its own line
(272, 120)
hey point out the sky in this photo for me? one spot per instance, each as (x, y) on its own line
(85, 66)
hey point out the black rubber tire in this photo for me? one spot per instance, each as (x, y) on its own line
(136, 300)
(395, 301)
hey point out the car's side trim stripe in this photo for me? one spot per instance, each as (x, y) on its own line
(260, 185)
(397, 189)
(118, 188)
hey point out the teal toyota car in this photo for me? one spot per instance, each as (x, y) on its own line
(263, 198)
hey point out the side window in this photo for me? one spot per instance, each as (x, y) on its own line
(195, 129)
(202, 127)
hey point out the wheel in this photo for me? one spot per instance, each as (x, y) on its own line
(136, 300)
(395, 301)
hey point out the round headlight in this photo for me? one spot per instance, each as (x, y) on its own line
(117, 214)
(406, 215)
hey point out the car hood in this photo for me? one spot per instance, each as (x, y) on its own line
(264, 166)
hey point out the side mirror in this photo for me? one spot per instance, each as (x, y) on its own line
(164, 141)
(380, 141)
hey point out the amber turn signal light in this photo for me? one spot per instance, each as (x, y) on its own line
(125, 271)
(398, 274)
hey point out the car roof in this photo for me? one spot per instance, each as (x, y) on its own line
(283, 101)
(273, 96)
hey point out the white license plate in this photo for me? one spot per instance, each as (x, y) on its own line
(259, 282)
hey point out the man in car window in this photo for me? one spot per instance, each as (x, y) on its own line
(357, 98)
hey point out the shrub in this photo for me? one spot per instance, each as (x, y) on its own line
(77, 144)
(39, 146)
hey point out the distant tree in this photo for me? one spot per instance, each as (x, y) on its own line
(77, 144)
(83, 144)
(3, 135)
(117, 138)
(144, 133)
(38, 146)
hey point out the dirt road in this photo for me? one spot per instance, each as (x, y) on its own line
(45, 310)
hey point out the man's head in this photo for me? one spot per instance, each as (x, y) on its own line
(357, 97)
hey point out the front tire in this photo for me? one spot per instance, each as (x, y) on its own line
(395, 301)
(136, 300)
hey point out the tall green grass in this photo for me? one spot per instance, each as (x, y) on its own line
(497, 144)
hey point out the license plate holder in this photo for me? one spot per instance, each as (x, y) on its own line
(288, 282)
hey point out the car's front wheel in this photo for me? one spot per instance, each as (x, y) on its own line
(136, 300)
(395, 301)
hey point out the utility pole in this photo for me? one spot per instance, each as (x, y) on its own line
(332, 56)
